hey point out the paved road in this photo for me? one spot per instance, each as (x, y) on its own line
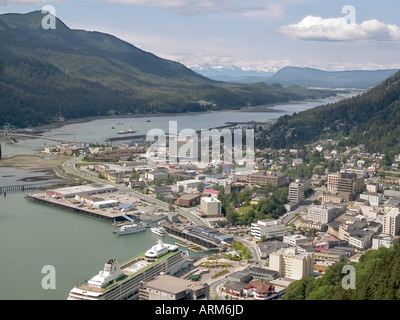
(70, 167)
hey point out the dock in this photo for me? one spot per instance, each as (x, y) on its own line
(69, 206)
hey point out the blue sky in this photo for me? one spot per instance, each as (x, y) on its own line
(257, 34)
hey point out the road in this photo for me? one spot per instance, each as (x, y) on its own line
(70, 168)
(302, 206)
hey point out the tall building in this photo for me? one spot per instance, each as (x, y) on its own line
(210, 206)
(268, 229)
(345, 184)
(297, 189)
(391, 222)
(263, 178)
(292, 264)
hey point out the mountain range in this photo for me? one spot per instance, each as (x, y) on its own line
(78, 74)
(305, 77)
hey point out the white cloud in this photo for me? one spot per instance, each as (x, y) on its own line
(338, 29)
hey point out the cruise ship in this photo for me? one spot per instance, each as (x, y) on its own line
(130, 228)
(121, 282)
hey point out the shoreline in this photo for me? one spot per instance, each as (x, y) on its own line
(260, 108)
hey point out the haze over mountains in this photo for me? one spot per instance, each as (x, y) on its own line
(84, 74)
(305, 77)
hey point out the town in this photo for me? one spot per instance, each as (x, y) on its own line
(297, 213)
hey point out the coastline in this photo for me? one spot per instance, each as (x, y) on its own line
(260, 108)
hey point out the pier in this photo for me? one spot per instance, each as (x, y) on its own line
(24, 187)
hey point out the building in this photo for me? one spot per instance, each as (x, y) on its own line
(297, 189)
(325, 213)
(268, 229)
(258, 290)
(391, 222)
(266, 247)
(263, 178)
(331, 198)
(345, 184)
(374, 198)
(210, 206)
(192, 183)
(292, 264)
(294, 240)
(166, 287)
(382, 240)
(188, 200)
(393, 203)
(89, 189)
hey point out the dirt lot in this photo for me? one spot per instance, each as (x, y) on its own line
(32, 161)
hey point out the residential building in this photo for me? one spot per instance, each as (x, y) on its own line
(166, 287)
(391, 222)
(268, 229)
(291, 263)
(210, 206)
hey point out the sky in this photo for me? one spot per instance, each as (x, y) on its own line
(254, 34)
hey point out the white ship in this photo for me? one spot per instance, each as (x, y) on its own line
(130, 228)
(117, 282)
(159, 231)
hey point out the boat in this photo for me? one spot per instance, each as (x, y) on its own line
(160, 249)
(126, 131)
(159, 231)
(148, 120)
(122, 282)
(130, 228)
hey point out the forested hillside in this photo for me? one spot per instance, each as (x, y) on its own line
(372, 119)
(82, 74)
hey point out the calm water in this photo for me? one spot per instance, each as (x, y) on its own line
(33, 236)
(97, 131)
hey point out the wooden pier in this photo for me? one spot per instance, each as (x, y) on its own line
(31, 186)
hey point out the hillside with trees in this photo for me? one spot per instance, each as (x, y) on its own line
(84, 74)
(371, 119)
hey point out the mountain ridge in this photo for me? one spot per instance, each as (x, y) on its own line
(89, 73)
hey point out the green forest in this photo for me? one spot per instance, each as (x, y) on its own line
(377, 277)
(371, 119)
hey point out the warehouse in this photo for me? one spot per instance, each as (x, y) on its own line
(90, 189)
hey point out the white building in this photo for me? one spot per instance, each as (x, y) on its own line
(297, 189)
(193, 183)
(268, 229)
(324, 213)
(294, 240)
(292, 264)
(210, 206)
(374, 198)
(391, 222)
